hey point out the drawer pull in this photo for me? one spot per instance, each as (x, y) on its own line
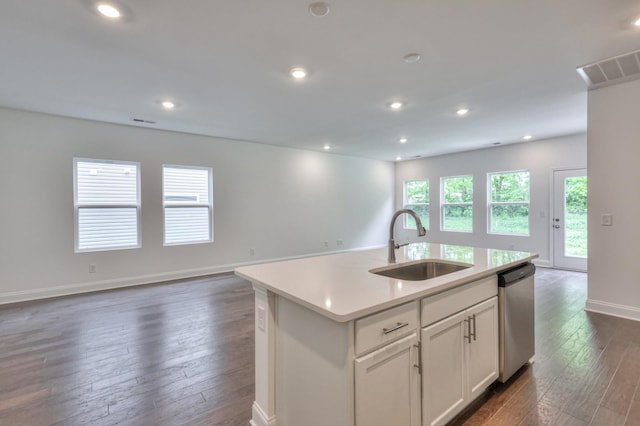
(398, 326)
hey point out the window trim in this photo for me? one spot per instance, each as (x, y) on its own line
(444, 204)
(77, 206)
(405, 203)
(505, 203)
(188, 204)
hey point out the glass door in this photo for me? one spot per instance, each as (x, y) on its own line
(570, 219)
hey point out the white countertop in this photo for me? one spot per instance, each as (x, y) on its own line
(340, 286)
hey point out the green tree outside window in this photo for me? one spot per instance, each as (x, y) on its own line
(509, 202)
(457, 203)
(416, 198)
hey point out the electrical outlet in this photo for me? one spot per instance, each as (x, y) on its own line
(326, 243)
(252, 251)
(339, 242)
(607, 220)
(92, 269)
(261, 317)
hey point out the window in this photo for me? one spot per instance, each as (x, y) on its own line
(416, 198)
(509, 203)
(188, 204)
(457, 203)
(106, 197)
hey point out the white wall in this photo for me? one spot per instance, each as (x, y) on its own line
(614, 175)
(281, 202)
(539, 157)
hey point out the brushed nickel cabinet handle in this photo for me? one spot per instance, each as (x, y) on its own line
(474, 327)
(398, 326)
(468, 336)
(419, 364)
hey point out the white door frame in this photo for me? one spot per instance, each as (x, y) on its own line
(579, 266)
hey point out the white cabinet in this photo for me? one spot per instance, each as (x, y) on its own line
(443, 367)
(418, 363)
(387, 385)
(385, 327)
(483, 357)
(459, 360)
(387, 368)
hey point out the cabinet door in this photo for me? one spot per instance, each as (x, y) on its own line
(443, 370)
(387, 385)
(482, 355)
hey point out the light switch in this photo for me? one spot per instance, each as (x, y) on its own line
(607, 220)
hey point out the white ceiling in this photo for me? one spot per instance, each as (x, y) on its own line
(226, 62)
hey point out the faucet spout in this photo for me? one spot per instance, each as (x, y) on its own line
(392, 244)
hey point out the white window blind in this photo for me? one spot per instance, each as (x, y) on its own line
(106, 204)
(188, 204)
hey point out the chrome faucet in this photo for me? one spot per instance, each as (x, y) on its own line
(392, 244)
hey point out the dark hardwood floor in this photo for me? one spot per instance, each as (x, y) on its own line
(586, 369)
(182, 353)
(168, 354)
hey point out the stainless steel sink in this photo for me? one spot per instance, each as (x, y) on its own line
(420, 270)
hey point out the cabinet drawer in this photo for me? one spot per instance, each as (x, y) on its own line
(439, 306)
(386, 326)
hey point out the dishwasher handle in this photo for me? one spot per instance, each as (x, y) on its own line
(512, 276)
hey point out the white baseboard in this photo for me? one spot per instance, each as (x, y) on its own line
(260, 418)
(543, 263)
(86, 287)
(622, 311)
(66, 290)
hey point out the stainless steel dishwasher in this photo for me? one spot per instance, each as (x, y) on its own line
(516, 322)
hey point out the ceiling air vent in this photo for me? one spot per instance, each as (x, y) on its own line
(612, 70)
(140, 120)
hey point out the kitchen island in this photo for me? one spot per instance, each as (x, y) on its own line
(339, 345)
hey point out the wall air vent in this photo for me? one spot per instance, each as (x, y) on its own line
(140, 120)
(612, 70)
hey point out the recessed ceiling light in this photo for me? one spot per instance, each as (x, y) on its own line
(326, 147)
(462, 111)
(108, 10)
(396, 105)
(319, 9)
(403, 140)
(637, 22)
(410, 58)
(168, 105)
(527, 137)
(298, 73)
(398, 158)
